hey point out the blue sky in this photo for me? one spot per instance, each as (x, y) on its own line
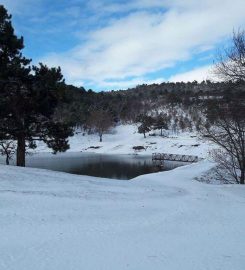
(107, 44)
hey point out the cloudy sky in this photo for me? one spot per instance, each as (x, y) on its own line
(106, 44)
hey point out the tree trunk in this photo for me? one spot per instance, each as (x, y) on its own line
(144, 135)
(100, 137)
(161, 131)
(242, 176)
(21, 145)
(7, 160)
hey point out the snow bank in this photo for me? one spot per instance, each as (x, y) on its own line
(58, 221)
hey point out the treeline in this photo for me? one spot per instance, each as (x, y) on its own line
(177, 100)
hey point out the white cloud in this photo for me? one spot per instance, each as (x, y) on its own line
(198, 74)
(128, 83)
(144, 41)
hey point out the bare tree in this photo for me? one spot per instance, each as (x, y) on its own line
(100, 121)
(231, 61)
(7, 149)
(228, 131)
(225, 124)
(227, 168)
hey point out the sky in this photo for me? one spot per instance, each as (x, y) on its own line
(105, 44)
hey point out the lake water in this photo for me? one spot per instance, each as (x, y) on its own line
(122, 167)
(100, 165)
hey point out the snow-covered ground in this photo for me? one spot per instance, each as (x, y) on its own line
(167, 220)
(124, 137)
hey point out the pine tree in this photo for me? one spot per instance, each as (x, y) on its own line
(13, 66)
(28, 99)
(146, 122)
(161, 122)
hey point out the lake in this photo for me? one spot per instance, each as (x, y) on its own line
(123, 167)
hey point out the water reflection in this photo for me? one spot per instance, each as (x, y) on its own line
(122, 167)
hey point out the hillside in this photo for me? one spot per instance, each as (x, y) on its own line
(126, 105)
(123, 138)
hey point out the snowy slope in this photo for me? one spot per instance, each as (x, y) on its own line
(125, 137)
(57, 221)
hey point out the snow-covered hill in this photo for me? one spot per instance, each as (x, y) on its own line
(58, 221)
(123, 138)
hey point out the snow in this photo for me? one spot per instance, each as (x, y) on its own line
(57, 221)
(123, 138)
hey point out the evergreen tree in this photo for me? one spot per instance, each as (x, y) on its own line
(161, 122)
(27, 100)
(145, 123)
